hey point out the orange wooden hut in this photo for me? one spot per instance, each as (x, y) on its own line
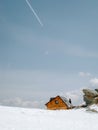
(58, 102)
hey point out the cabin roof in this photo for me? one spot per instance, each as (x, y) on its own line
(65, 100)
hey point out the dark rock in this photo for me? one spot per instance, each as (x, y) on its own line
(96, 90)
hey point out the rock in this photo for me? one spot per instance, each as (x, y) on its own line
(91, 93)
(87, 99)
(90, 96)
(96, 100)
(96, 90)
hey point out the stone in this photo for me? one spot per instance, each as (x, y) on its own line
(96, 90)
(90, 96)
(91, 93)
(87, 99)
(96, 100)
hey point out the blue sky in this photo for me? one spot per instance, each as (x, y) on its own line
(37, 62)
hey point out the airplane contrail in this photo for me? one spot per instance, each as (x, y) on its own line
(31, 8)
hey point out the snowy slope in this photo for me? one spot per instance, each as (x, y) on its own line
(12, 118)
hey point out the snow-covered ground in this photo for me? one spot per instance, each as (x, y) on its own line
(12, 118)
(94, 107)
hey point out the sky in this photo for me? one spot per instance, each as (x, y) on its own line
(55, 55)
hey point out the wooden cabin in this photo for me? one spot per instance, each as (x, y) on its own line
(58, 102)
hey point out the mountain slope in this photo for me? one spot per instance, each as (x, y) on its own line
(12, 118)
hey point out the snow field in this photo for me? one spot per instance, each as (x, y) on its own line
(12, 118)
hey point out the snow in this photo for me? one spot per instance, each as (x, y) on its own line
(94, 107)
(13, 118)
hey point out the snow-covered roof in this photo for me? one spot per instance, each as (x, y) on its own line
(66, 101)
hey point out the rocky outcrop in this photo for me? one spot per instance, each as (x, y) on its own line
(90, 96)
(96, 90)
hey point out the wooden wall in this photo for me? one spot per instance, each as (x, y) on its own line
(56, 104)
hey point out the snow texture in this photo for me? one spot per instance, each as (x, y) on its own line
(12, 118)
(94, 107)
(66, 101)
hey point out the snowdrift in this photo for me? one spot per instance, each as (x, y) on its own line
(12, 118)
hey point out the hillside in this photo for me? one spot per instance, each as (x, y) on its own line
(12, 118)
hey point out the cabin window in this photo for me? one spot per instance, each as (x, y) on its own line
(56, 102)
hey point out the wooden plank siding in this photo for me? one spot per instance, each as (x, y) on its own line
(56, 104)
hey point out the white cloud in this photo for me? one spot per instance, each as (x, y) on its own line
(37, 85)
(20, 102)
(76, 96)
(84, 74)
(94, 82)
(41, 85)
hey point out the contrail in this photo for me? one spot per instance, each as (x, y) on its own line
(31, 8)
